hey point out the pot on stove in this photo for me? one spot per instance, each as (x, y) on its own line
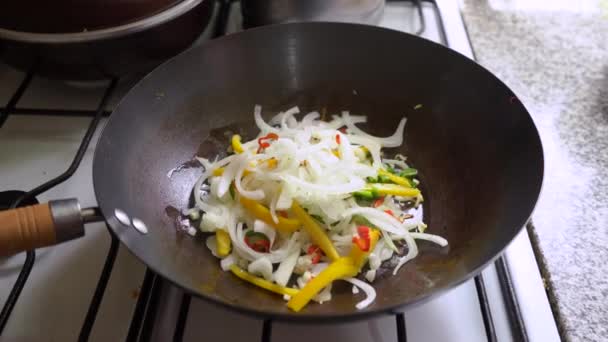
(264, 12)
(97, 39)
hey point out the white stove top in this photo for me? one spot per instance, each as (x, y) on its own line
(56, 297)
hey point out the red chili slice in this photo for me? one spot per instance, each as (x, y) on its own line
(263, 143)
(338, 139)
(363, 232)
(363, 241)
(378, 202)
(315, 252)
(257, 241)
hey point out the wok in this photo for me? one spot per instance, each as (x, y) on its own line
(477, 150)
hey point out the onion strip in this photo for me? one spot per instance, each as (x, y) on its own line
(365, 287)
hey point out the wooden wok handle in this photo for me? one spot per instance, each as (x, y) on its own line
(39, 225)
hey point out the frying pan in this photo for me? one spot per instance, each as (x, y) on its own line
(477, 150)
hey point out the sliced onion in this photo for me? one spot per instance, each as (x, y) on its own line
(394, 162)
(333, 189)
(309, 118)
(285, 200)
(313, 175)
(288, 114)
(262, 267)
(246, 252)
(197, 191)
(227, 262)
(241, 166)
(394, 140)
(369, 290)
(377, 217)
(211, 243)
(262, 227)
(276, 120)
(285, 269)
(318, 268)
(227, 177)
(412, 252)
(372, 146)
(430, 237)
(338, 121)
(262, 125)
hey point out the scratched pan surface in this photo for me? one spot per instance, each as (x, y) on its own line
(476, 147)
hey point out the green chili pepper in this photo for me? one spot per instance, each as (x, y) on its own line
(409, 172)
(318, 218)
(383, 179)
(364, 195)
(232, 192)
(390, 169)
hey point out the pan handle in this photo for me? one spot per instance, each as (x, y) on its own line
(40, 225)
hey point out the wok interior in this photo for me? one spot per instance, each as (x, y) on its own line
(477, 151)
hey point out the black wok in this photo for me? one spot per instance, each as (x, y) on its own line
(477, 150)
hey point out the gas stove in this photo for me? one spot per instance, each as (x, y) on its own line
(94, 289)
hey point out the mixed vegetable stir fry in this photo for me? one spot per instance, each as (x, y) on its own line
(310, 202)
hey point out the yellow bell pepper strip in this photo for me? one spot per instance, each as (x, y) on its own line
(358, 256)
(223, 243)
(394, 178)
(237, 147)
(317, 233)
(272, 163)
(263, 283)
(394, 189)
(341, 268)
(262, 213)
